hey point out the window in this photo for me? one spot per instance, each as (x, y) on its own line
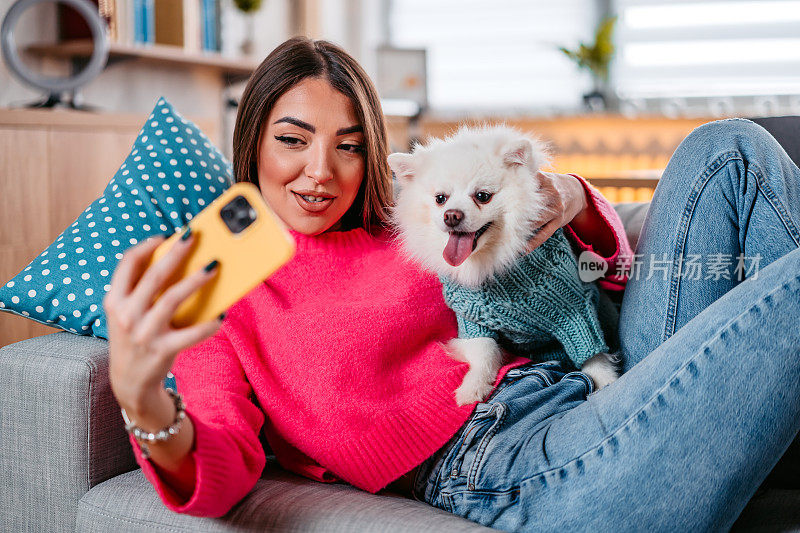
(498, 56)
(723, 51)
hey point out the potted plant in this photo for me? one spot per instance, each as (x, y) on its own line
(596, 58)
(248, 7)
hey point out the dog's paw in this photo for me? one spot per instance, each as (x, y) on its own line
(474, 388)
(603, 368)
(485, 358)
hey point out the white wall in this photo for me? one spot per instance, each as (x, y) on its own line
(355, 25)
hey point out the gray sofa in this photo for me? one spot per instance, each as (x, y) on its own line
(66, 463)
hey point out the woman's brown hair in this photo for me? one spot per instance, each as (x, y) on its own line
(287, 65)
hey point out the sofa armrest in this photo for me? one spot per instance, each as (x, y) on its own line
(61, 432)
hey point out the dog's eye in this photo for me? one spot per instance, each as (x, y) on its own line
(483, 197)
(441, 199)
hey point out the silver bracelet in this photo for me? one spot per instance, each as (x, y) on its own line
(145, 437)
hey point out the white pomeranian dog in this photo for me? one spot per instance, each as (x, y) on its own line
(466, 207)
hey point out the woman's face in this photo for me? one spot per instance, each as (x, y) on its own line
(311, 157)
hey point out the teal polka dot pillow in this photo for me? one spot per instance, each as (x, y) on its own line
(172, 172)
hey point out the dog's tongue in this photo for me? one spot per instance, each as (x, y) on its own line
(458, 248)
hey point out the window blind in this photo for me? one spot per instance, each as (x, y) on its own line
(711, 48)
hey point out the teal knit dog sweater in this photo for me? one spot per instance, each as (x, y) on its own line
(538, 307)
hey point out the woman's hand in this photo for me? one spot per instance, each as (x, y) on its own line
(142, 343)
(565, 199)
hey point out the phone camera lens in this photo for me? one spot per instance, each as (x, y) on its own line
(238, 214)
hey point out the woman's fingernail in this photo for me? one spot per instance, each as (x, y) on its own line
(211, 266)
(186, 234)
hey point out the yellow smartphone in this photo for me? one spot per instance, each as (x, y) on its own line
(239, 230)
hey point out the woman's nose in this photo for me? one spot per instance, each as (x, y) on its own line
(319, 167)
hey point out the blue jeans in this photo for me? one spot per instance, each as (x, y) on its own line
(710, 399)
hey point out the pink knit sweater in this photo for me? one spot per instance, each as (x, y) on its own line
(343, 350)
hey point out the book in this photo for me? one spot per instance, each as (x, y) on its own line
(218, 25)
(177, 23)
(125, 22)
(108, 12)
(150, 21)
(210, 24)
(144, 21)
(138, 21)
(194, 25)
(169, 22)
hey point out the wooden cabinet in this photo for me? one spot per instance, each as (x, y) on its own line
(53, 164)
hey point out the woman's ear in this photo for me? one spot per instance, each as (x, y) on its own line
(402, 165)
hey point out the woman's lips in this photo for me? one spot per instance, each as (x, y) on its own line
(313, 207)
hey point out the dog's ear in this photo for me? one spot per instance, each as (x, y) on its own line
(517, 153)
(402, 165)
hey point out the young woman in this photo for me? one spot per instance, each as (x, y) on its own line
(338, 357)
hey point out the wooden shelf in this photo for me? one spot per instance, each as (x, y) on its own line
(235, 67)
(59, 119)
(620, 180)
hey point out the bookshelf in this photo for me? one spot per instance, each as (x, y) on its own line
(232, 68)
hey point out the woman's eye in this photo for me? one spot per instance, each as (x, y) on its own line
(483, 197)
(288, 140)
(441, 199)
(353, 148)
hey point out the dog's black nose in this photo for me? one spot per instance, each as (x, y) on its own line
(453, 217)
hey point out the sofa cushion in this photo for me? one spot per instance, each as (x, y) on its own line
(771, 510)
(280, 501)
(171, 173)
(786, 131)
(632, 215)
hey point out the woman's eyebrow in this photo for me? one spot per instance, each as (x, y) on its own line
(297, 122)
(351, 129)
(306, 126)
